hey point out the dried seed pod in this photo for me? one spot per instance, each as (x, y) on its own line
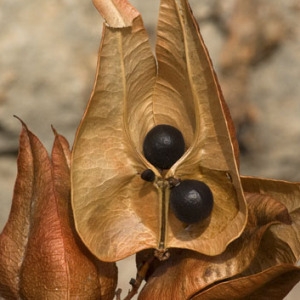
(134, 91)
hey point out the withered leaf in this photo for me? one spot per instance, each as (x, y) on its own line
(282, 242)
(117, 213)
(186, 273)
(51, 261)
(273, 283)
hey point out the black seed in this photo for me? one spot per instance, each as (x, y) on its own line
(163, 146)
(191, 201)
(148, 175)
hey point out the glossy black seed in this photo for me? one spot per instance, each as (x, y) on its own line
(148, 175)
(191, 201)
(163, 146)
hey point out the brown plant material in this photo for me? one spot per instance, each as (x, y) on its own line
(117, 13)
(41, 257)
(273, 283)
(249, 246)
(246, 249)
(284, 237)
(260, 264)
(111, 203)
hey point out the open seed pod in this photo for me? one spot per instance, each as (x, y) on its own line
(117, 213)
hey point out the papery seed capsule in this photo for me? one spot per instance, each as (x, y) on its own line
(191, 201)
(148, 175)
(163, 146)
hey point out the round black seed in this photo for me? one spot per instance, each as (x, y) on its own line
(148, 175)
(191, 201)
(163, 146)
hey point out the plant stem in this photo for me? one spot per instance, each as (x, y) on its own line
(136, 283)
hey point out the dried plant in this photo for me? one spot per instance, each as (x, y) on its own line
(199, 229)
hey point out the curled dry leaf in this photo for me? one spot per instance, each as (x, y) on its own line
(273, 283)
(186, 273)
(40, 254)
(288, 194)
(116, 212)
(282, 242)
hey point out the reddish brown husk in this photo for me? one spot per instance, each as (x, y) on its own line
(41, 255)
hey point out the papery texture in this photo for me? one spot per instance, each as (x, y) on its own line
(187, 95)
(186, 273)
(14, 237)
(282, 243)
(109, 197)
(111, 203)
(52, 262)
(117, 13)
(273, 283)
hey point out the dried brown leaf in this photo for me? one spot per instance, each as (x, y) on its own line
(187, 272)
(282, 242)
(273, 283)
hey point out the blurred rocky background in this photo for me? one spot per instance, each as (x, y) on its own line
(48, 55)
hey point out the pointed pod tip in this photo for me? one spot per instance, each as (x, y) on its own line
(117, 13)
(54, 130)
(22, 122)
